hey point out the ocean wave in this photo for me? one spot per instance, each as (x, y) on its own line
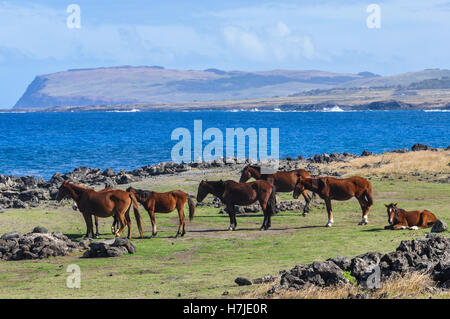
(124, 111)
(332, 109)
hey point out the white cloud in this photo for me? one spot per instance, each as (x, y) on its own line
(41, 33)
(276, 42)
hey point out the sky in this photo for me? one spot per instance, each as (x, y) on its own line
(328, 35)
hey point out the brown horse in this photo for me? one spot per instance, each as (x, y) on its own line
(155, 202)
(283, 181)
(105, 203)
(115, 223)
(329, 188)
(401, 219)
(232, 193)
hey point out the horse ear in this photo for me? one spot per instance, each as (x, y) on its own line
(386, 205)
(395, 204)
(323, 182)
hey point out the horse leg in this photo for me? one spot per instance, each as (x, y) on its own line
(151, 213)
(330, 213)
(266, 222)
(400, 226)
(232, 214)
(128, 219)
(307, 200)
(96, 226)
(123, 223)
(365, 211)
(88, 220)
(182, 219)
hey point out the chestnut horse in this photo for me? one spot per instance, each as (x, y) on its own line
(283, 181)
(104, 203)
(401, 219)
(155, 202)
(232, 193)
(115, 223)
(329, 188)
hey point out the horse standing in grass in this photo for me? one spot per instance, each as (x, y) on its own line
(115, 224)
(232, 193)
(283, 181)
(106, 203)
(330, 188)
(401, 219)
(155, 202)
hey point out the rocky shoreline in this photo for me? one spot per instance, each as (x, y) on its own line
(29, 191)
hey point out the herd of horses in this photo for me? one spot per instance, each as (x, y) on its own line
(117, 203)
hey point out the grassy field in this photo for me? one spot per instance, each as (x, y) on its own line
(205, 262)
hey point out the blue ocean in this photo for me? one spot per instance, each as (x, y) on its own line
(41, 144)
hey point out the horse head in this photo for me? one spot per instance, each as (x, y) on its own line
(246, 174)
(313, 184)
(203, 190)
(249, 172)
(299, 187)
(63, 191)
(391, 211)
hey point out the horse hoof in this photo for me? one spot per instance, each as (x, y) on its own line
(328, 224)
(304, 214)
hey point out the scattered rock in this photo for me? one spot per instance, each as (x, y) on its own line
(35, 245)
(367, 153)
(422, 147)
(11, 235)
(110, 248)
(241, 281)
(40, 230)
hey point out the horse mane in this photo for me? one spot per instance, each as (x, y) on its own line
(217, 186)
(143, 193)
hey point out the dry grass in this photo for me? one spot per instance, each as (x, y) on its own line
(411, 285)
(424, 162)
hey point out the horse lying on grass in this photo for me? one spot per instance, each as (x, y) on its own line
(330, 188)
(401, 219)
(283, 181)
(232, 193)
(106, 203)
(155, 202)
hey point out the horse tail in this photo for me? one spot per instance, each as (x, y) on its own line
(191, 207)
(272, 203)
(369, 195)
(137, 215)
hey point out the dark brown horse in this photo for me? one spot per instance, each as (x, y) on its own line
(155, 202)
(401, 219)
(283, 181)
(105, 203)
(330, 188)
(232, 193)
